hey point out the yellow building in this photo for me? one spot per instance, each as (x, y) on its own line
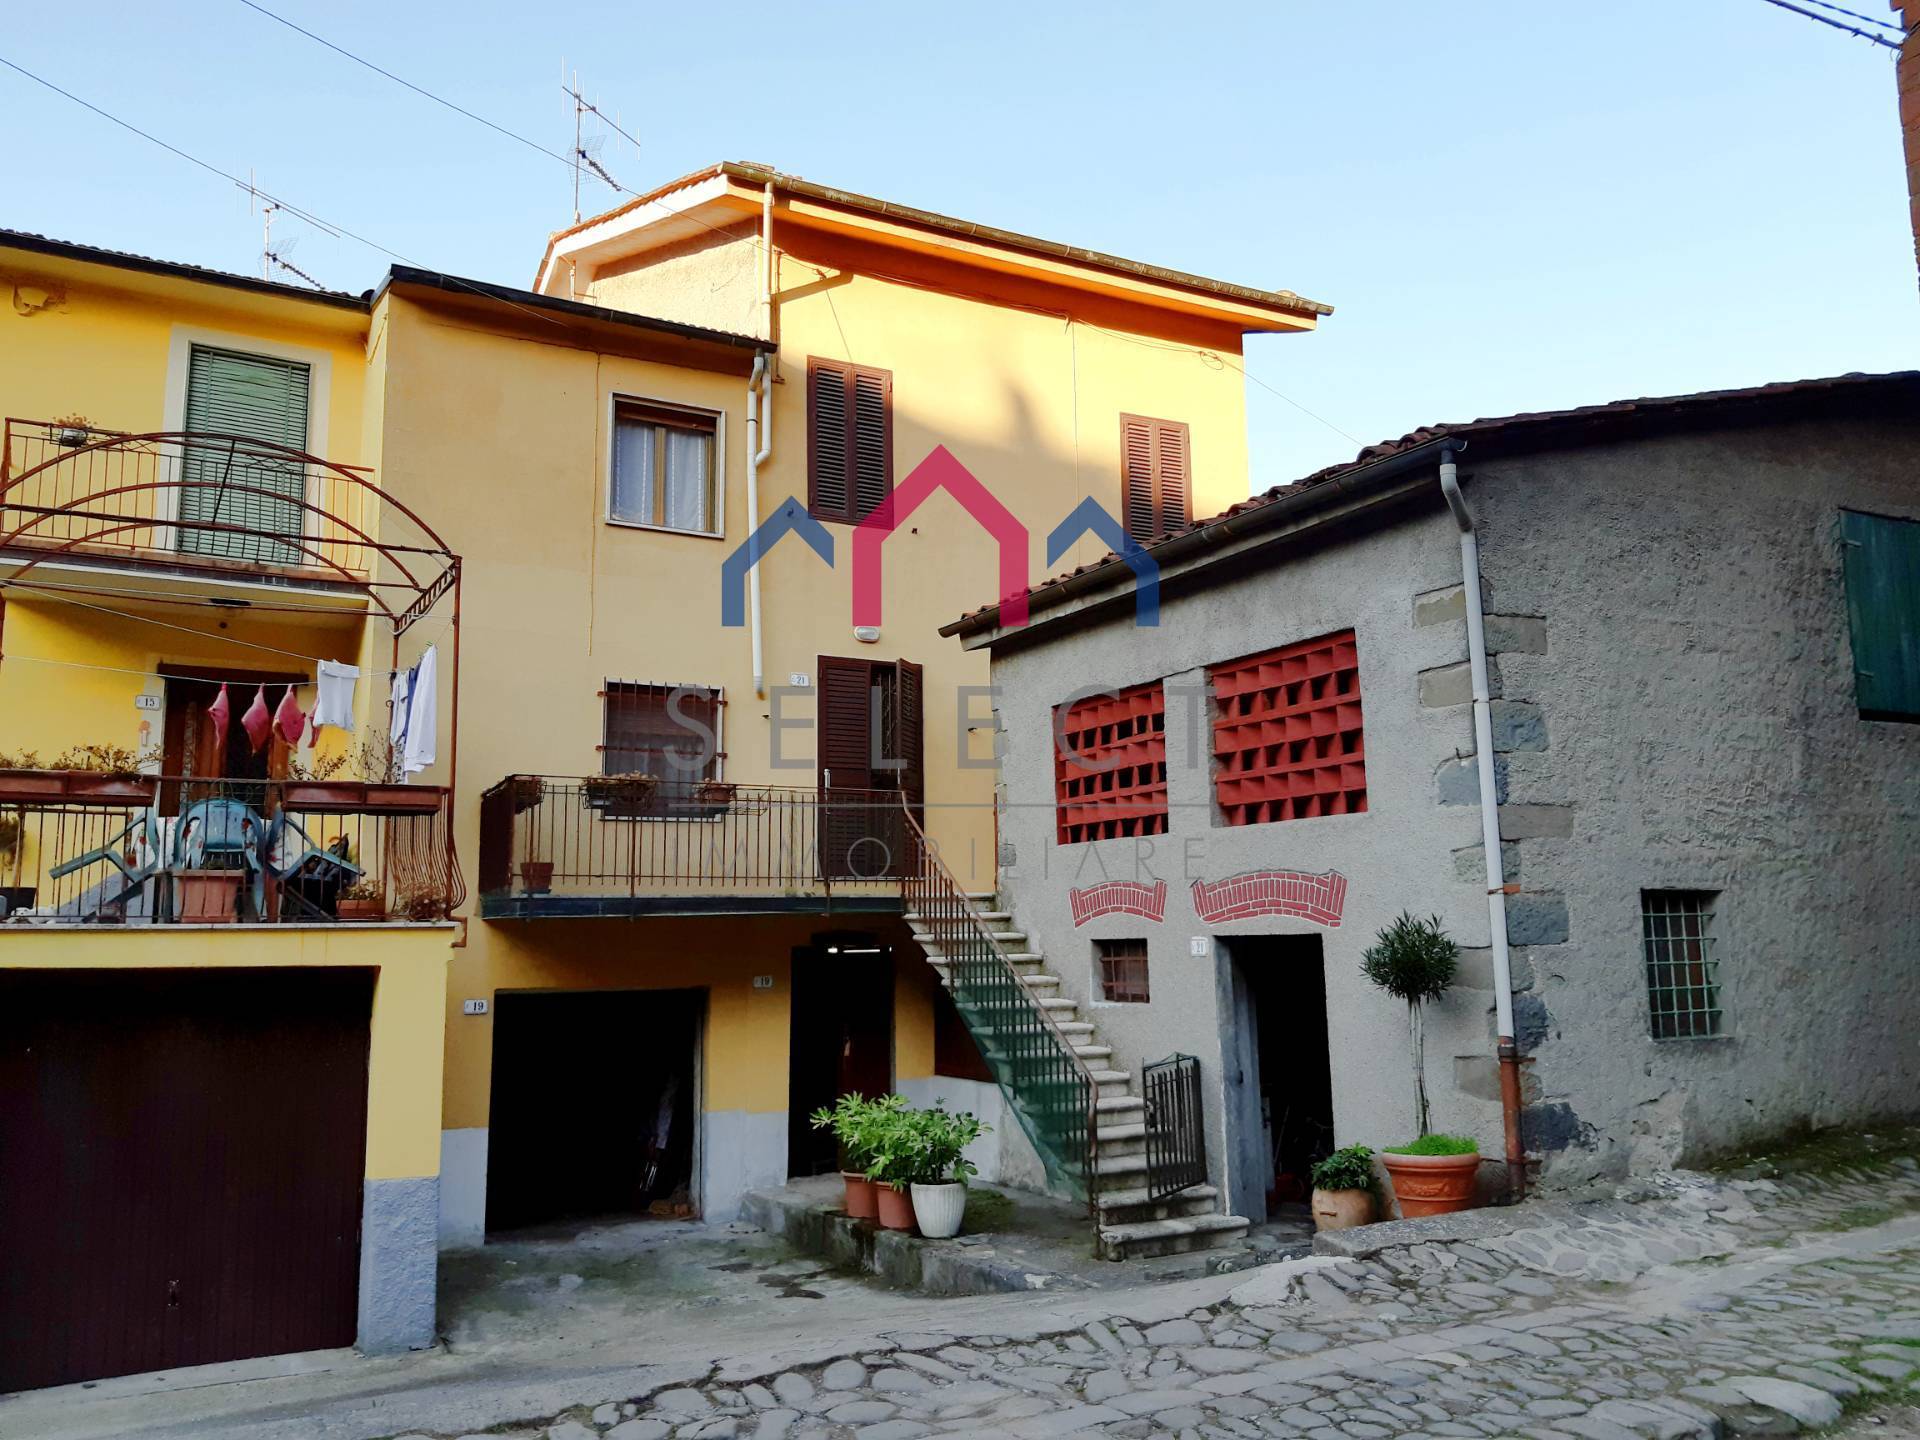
(649, 874)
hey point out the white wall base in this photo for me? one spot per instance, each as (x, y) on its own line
(1004, 1156)
(463, 1188)
(740, 1150)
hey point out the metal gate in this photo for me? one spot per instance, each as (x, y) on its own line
(1176, 1127)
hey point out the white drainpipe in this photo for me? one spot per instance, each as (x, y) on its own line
(1509, 1054)
(760, 435)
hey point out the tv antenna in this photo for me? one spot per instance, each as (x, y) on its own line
(587, 148)
(276, 254)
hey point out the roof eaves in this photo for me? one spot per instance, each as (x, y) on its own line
(178, 269)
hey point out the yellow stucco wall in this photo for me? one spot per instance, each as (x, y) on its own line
(404, 1065)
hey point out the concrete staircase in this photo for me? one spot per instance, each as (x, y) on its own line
(1131, 1225)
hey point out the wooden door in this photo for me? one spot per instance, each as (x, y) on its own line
(185, 1153)
(871, 761)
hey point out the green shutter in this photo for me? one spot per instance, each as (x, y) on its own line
(1883, 612)
(254, 397)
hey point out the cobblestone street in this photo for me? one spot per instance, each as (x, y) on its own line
(1740, 1307)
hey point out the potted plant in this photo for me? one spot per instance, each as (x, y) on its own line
(207, 897)
(528, 791)
(893, 1159)
(626, 793)
(1415, 960)
(941, 1169)
(1343, 1189)
(102, 774)
(363, 900)
(713, 792)
(856, 1123)
(536, 876)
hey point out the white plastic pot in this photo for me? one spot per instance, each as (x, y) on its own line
(938, 1208)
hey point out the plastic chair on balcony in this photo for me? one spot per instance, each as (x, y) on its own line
(309, 877)
(218, 835)
(136, 853)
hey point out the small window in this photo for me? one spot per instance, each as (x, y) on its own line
(1156, 477)
(1882, 559)
(663, 468)
(1123, 971)
(671, 732)
(1683, 981)
(849, 440)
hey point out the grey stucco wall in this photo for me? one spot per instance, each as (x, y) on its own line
(1398, 855)
(1699, 694)
(1674, 710)
(399, 1264)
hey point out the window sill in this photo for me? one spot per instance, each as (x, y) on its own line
(665, 529)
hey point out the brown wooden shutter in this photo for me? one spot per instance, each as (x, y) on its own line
(872, 440)
(845, 723)
(909, 730)
(1173, 472)
(827, 440)
(849, 439)
(1156, 477)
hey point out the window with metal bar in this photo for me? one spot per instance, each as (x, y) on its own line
(1123, 971)
(663, 468)
(671, 732)
(1683, 971)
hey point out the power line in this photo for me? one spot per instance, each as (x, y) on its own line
(1856, 15)
(285, 205)
(1837, 24)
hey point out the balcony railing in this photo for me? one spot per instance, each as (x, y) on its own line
(585, 845)
(83, 849)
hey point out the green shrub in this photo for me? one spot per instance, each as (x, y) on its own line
(923, 1147)
(861, 1126)
(1438, 1145)
(1348, 1169)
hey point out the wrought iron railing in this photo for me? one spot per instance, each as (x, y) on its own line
(1047, 1084)
(84, 849)
(609, 837)
(1176, 1126)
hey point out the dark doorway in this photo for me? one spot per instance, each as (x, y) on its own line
(1280, 1101)
(593, 1105)
(185, 1156)
(871, 762)
(842, 1041)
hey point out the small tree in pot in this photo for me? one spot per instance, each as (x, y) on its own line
(858, 1124)
(941, 1169)
(1415, 961)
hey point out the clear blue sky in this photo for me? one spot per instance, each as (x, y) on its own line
(1512, 206)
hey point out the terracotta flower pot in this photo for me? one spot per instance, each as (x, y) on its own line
(896, 1208)
(536, 876)
(1432, 1184)
(207, 897)
(861, 1202)
(1342, 1209)
(370, 909)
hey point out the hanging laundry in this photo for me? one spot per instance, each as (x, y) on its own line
(220, 716)
(288, 719)
(335, 703)
(402, 681)
(258, 721)
(423, 719)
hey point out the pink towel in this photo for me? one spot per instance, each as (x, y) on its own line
(289, 719)
(258, 721)
(220, 714)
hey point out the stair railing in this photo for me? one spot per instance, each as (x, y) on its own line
(1048, 1086)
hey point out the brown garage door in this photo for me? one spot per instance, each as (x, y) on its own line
(181, 1161)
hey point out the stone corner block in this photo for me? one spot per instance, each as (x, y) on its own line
(1537, 920)
(1458, 781)
(1517, 725)
(1526, 634)
(1440, 607)
(1535, 822)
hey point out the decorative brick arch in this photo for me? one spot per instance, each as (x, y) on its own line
(1119, 897)
(1319, 898)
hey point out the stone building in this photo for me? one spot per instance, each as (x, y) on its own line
(1701, 627)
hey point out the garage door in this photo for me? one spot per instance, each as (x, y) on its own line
(181, 1162)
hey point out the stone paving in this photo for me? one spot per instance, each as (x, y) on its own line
(1680, 1307)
